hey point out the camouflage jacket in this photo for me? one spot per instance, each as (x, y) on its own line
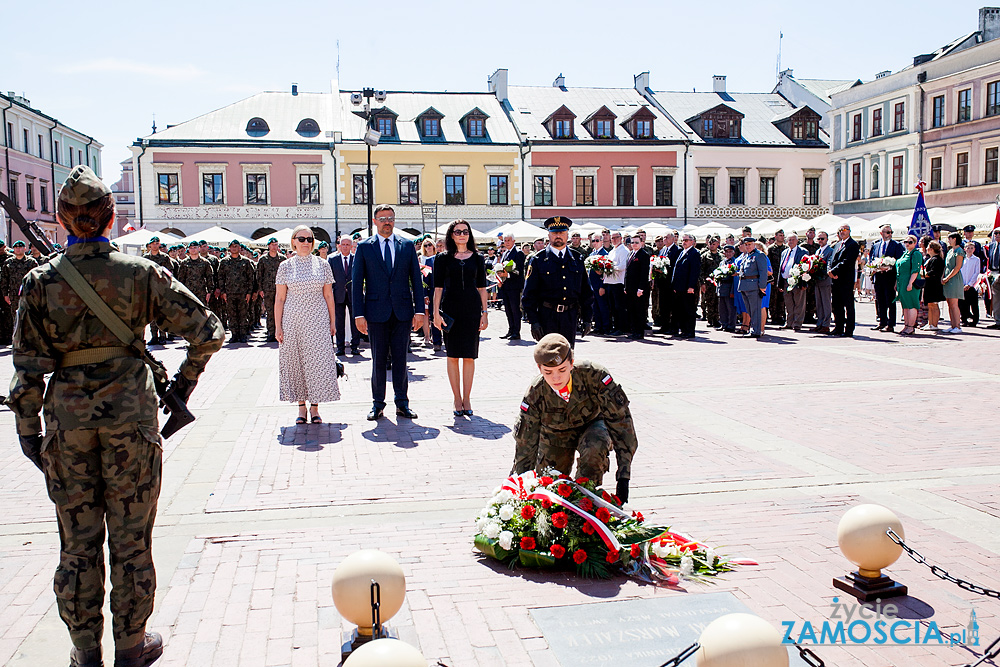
(710, 261)
(197, 275)
(236, 276)
(13, 272)
(53, 320)
(164, 260)
(546, 419)
(267, 270)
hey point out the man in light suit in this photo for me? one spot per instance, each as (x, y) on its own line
(510, 288)
(342, 265)
(843, 269)
(823, 287)
(387, 292)
(795, 297)
(753, 283)
(885, 280)
(684, 284)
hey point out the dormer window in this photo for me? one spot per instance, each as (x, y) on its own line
(603, 129)
(564, 129)
(721, 123)
(386, 125)
(643, 129)
(560, 123)
(707, 127)
(307, 128)
(476, 127)
(429, 123)
(474, 124)
(432, 127)
(601, 124)
(800, 124)
(257, 127)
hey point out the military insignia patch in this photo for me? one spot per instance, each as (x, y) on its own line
(524, 406)
(607, 380)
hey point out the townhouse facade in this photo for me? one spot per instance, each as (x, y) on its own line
(124, 190)
(39, 152)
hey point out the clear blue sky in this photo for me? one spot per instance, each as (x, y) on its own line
(107, 73)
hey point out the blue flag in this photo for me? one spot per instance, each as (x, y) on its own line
(920, 225)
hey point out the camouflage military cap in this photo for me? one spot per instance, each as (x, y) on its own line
(552, 350)
(17, 244)
(272, 240)
(82, 186)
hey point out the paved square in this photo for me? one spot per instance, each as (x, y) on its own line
(757, 447)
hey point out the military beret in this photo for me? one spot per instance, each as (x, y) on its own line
(82, 186)
(17, 244)
(356, 236)
(155, 239)
(193, 244)
(272, 240)
(729, 246)
(322, 244)
(552, 350)
(558, 223)
(203, 242)
(2, 243)
(969, 228)
(234, 242)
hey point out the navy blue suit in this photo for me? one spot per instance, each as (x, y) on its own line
(602, 313)
(510, 290)
(885, 282)
(342, 299)
(388, 300)
(686, 272)
(844, 264)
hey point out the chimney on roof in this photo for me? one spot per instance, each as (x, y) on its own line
(498, 84)
(788, 73)
(560, 82)
(295, 89)
(642, 82)
(718, 83)
(989, 23)
(884, 73)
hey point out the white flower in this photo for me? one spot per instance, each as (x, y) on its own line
(659, 550)
(506, 512)
(481, 523)
(710, 556)
(492, 530)
(542, 525)
(806, 277)
(502, 497)
(506, 539)
(687, 566)
(495, 491)
(673, 551)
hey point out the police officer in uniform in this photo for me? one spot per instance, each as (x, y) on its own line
(557, 291)
(101, 452)
(574, 408)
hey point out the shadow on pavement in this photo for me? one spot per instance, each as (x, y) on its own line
(480, 428)
(911, 607)
(604, 589)
(310, 437)
(405, 434)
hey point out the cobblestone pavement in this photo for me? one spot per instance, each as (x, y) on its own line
(756, 446)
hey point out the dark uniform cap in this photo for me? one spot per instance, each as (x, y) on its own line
(729, 246)
(155, 239)
(552, 350)
(323, 244)
(203, 242)
(17, 244)
(2, 243)
(272, 240)
(559, 223)
(193, 244)
(969, 228)
(356, 236)
(82, 186)
(234, 242)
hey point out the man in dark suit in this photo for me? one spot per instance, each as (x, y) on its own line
(342, 265)
(885, 280)
(684, 283)
(842, 269)
(664, 291)
(510, 288)
(774, 253)
(387, 292)
(637, 288)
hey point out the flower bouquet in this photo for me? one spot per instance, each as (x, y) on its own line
(425, 273)
(602, 265)
(798, 276)
(660, 266)
(815, 266)
(552, 521)
(724, 272)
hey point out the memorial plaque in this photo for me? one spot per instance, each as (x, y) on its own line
(637, 633)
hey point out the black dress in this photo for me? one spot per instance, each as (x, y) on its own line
(461, 280)
(933, 271)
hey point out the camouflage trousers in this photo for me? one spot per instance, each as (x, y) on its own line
(219, 308)
(593, 443)
(710, 305)
(104, 477)
(6, 321)
(269, 309)
(237, 312)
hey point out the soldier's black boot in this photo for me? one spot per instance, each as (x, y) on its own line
(86, 658)
(142, 655)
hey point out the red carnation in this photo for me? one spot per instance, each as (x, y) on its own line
(582, 480)
(588, 529)
(546, 480)
(546, 503)
(528, 512)
(603, 514)
(605, 496)
(558, 550)
(579, 556)
(528, 543)
(585, 504)
(612, 556)
(564, 490)
(563, 476)
(639, 517)
(635, 551)
(559, 519)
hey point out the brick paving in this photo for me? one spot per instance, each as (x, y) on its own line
(758, 447)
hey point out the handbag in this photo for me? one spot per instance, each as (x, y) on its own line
(448, 321)
(341, 371)
(918, 283)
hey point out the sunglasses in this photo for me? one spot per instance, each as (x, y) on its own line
(304, 239)
(460, 232)
(391, 218)
(908, 242)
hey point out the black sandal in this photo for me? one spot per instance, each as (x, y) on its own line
(300, 420)
(316, 419)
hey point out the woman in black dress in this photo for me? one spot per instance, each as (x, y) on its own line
(460, 293)
(933, 290)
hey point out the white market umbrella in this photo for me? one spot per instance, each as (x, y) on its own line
(765, 226)
(284, 236)
(983, 219)
(522, 230)
(219, 236)
(142, 237)
(828, 222)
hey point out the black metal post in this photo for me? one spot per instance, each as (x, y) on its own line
(368, 185)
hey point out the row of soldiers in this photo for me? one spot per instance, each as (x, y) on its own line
(13, 267)
(237, 285)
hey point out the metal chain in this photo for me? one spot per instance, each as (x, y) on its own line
(939, 571)
(992, 651)
(682, 656)
(809, 657)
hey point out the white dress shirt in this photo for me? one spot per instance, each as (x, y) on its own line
(619, 255)
(970, 270)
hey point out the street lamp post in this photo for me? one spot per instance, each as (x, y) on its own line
(372, 137)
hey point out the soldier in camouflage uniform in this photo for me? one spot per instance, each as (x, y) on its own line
(13, 272)
(153, 254)
(101, 452)
(197, 274)
(236, 281)
(267, 270)
(574, 408)
(6, 314)
(711, 258)
(215, 300)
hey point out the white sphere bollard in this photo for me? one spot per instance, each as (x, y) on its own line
(741, 640)
(386, 653)
(862, 539)
(352, 583)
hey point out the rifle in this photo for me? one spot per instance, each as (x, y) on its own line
(30, 230)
